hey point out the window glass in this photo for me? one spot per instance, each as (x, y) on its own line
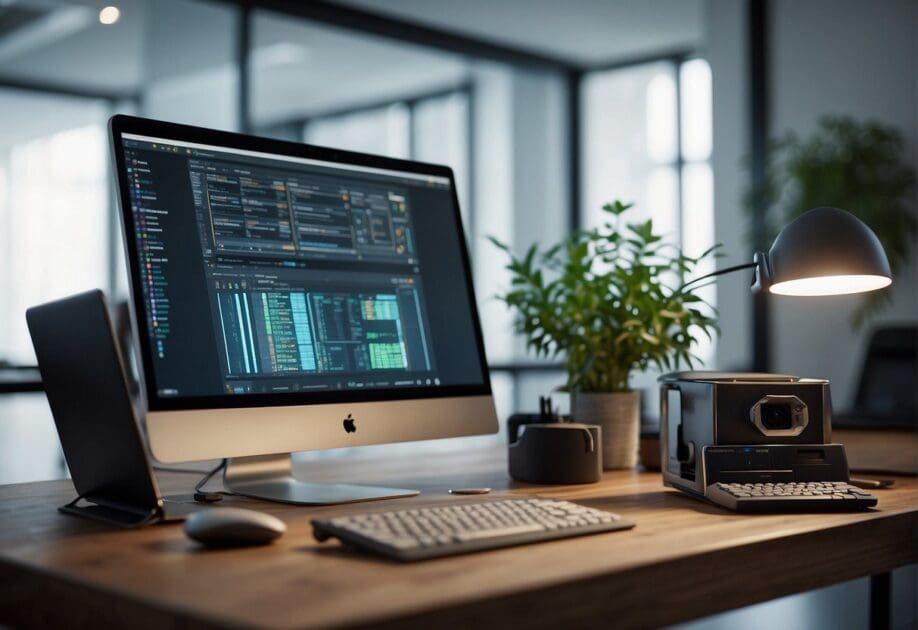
(441, 136)
(190, 63)
(384, 131)
(697, 114)
(54, 208)
(629, 133)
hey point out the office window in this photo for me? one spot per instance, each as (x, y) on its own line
(441, 136)
(381, 130)
(427, 128)
(630, 143)
(54, 209)
(647, 140)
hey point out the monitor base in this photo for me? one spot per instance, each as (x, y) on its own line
(271, 477)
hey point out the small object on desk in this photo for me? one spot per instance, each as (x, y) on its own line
(558, 452)
(469, 490)
(432, 532)
(233, 527)
(872, 484)
(547, 415)
(549, 448)
(813, 496)
(650, 447)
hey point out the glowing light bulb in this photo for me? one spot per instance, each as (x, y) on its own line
(109, 15)
(830, 285)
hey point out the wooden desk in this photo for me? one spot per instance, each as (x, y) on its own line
(685, 559)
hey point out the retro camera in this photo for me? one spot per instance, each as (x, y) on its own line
(772, 423)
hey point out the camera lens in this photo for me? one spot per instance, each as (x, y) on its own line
(776, 416)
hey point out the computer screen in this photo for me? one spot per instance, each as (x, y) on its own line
(271, 278)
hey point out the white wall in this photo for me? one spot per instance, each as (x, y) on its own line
(854, 57)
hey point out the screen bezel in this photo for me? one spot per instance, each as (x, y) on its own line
(122, 124)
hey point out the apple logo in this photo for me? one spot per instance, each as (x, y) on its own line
(349, 425)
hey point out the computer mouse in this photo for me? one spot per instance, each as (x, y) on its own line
(233, 527)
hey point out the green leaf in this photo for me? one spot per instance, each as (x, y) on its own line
(601, 300)
(498, 244)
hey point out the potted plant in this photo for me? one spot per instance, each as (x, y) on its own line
(609, 301)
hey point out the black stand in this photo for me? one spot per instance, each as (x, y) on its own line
(120, 516)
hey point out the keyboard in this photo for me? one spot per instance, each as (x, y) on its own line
(431, 532)
(805, 496)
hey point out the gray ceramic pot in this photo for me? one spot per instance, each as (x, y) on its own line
(619, 415)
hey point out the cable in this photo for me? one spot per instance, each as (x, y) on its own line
(209, 497)
(718, 273)
(177, 469)
(199, 493)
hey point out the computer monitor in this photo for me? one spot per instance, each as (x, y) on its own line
(289, 297)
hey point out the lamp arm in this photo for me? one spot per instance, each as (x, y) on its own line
(719, 272)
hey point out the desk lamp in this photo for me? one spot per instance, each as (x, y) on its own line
(825, 251)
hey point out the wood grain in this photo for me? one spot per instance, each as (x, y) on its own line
(684, 559)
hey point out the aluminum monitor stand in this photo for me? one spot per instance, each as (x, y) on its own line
(271, 477)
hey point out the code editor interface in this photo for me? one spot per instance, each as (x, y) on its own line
(264, 274)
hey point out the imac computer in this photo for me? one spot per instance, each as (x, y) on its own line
(289, 297)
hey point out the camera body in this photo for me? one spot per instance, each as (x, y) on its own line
(772, 420)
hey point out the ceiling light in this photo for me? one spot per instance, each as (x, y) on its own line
(109, 15)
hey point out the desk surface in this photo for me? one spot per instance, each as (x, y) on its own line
(684, 559)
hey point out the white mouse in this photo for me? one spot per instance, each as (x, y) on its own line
(233, 527)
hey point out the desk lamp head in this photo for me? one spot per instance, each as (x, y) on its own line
(825, 251)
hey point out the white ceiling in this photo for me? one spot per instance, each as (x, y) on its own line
(70, 47)
(580, 31)
(302, 67)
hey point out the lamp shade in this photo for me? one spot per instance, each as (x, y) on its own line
(827, 251)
